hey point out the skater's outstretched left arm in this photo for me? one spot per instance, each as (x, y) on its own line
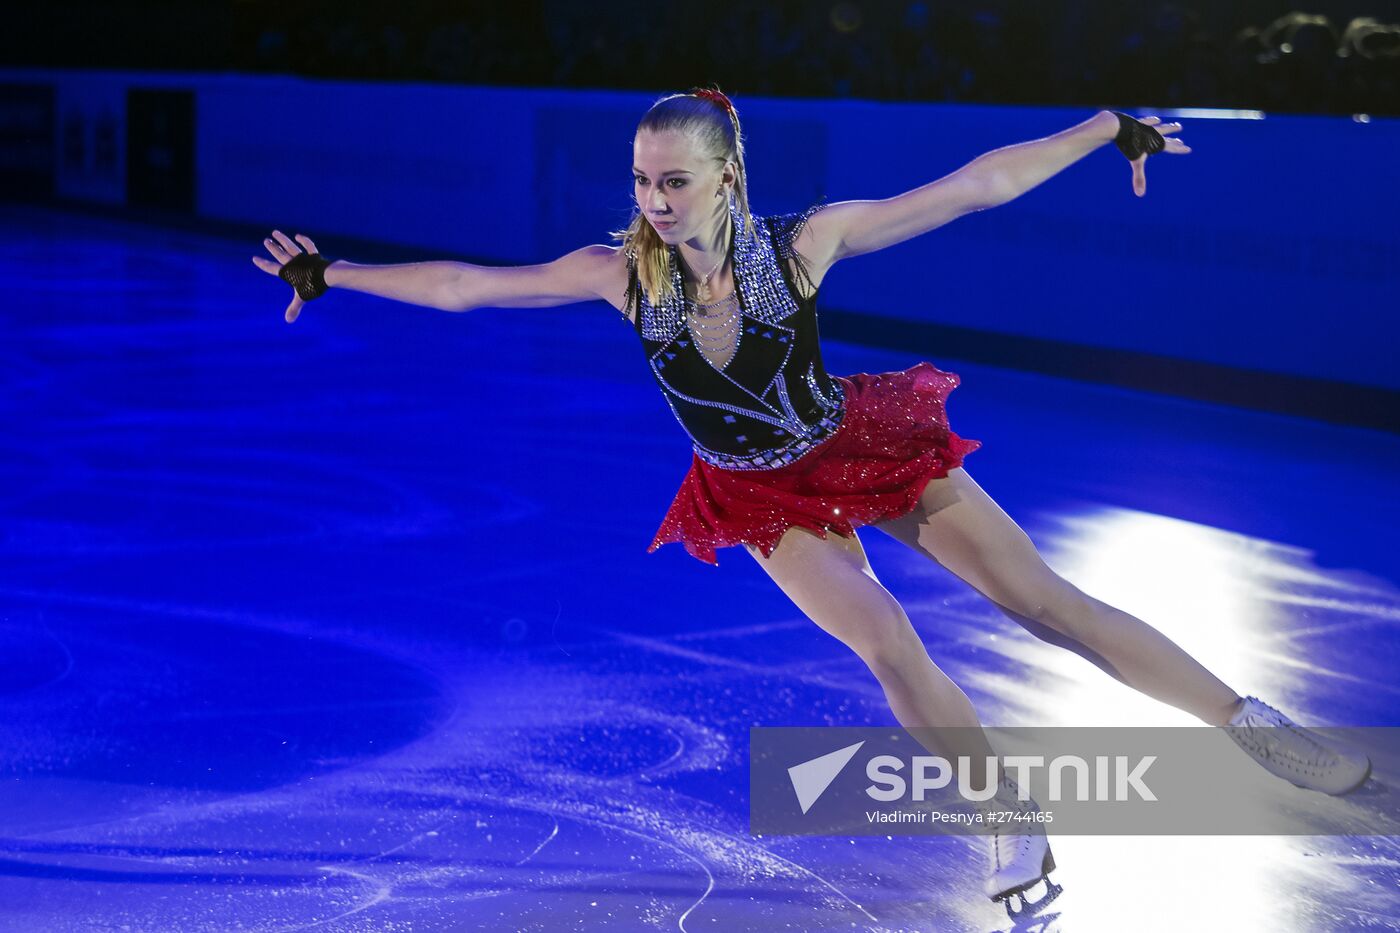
(1014, 170)
(852, 228)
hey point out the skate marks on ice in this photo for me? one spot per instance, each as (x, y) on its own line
(933, 883)
(522, 793)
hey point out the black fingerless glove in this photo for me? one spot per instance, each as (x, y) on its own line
(1135, 138)
(306, 272)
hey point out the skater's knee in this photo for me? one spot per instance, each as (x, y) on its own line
(1072, 612)
(1045, 600)
(885, 638)
(895, 649)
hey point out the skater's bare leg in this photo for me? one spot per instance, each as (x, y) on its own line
(831, 581)
(958, 525)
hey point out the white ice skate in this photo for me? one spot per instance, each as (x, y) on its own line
(1294, 752)
(1019, 854)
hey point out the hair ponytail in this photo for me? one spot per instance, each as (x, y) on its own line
(709, 118)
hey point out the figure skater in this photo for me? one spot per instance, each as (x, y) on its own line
(789, 460)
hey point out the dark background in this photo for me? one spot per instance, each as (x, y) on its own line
(1279, 57)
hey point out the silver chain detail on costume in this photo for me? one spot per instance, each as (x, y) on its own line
(720, 338)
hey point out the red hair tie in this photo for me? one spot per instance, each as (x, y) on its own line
(717, 96)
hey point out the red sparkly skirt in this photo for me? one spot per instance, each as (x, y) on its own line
(893, 438)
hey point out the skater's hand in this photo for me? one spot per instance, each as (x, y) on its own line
(1141, 140)
(297, 268)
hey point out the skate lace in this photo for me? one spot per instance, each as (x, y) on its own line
(1279, 738)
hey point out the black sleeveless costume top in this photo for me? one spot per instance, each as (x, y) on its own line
(773, 401)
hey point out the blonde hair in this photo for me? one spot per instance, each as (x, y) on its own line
(714, 130)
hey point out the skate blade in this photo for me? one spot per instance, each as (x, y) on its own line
(1047, 865)
(1031, 908)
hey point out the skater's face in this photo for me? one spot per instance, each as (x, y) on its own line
(675, 185)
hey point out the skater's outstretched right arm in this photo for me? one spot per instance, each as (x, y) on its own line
(585, 274)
